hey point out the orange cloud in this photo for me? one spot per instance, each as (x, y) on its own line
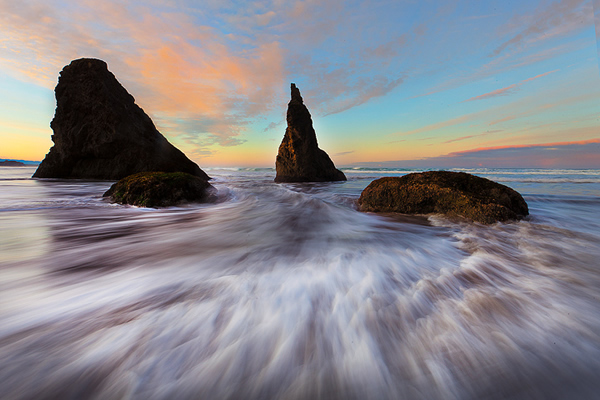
(176, 69)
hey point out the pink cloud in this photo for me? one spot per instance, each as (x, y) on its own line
(525, 146)
(505, 119)
(176, 69)
(494, 93)
(469, 137)
(564, 102)
(439, 125)
(508, 89)
(557, 19)
(574, 154)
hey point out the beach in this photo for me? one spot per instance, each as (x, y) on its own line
(287, 291)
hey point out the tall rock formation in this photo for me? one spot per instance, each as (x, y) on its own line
(300, 159)
(100, 133)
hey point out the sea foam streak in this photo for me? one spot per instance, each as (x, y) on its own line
(286, 291)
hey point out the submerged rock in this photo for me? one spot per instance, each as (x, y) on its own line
(100, 133)
(449, 193)
(160, 189)
(300, 159)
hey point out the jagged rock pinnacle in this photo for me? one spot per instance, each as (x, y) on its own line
(296, 97)
(300, 159)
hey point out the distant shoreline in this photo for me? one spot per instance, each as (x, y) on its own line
(18, 163)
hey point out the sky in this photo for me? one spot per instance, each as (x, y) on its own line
(451, 83)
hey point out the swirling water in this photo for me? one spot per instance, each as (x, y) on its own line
(288, 292)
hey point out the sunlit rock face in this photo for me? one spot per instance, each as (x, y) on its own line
(300, 159)
(455, 194)
(100, 133)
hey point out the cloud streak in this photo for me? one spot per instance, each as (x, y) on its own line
(507, 90)
(525, 146)
(439, 125)
(343, 153)
(558, 19)
(459, 139)
(571, 154)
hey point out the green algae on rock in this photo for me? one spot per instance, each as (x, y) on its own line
(160, 189)
(455, 194)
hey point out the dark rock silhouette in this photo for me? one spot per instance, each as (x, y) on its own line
(100, 133)
(11, 163)
(300, 159)
(160, 189)
(455, 194)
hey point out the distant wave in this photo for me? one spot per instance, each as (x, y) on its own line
(547, 180)
(238, 169)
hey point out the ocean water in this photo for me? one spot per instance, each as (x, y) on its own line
(286, 291)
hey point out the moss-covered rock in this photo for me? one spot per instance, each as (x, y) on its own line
(160, 189)
(455, 194)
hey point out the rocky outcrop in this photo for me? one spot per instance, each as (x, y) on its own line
(455, 194)
(300, 159)
(100, 133)
(160, 189)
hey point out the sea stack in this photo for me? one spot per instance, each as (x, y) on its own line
(100, 133)
(300, 159)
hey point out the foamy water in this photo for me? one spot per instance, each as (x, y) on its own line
(288, 292)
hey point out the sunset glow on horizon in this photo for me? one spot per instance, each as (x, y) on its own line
(438, 82)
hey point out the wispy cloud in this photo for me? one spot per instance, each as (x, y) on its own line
(557, 19)
(390, 49)
(438, 125)
(272, 125)
(494, 93)
(508, 62)
(545, 107)
(343, 153)
(571, 154)
(538, 76)
(526, 146)
(477, 17)
(506, 119)
(468, 137)
(506, 90)
(396, 141)
(364, 90)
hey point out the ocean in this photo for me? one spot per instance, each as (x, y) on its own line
(286, 291)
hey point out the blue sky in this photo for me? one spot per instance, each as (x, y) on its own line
(384, 80)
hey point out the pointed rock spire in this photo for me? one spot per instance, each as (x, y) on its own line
(300, 159)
